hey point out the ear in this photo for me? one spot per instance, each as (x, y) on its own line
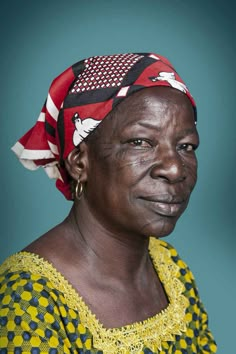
(77, 163)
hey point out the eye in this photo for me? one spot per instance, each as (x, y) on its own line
(187, 147)
(139, 142)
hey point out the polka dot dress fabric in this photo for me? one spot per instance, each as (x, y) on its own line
(36, 316)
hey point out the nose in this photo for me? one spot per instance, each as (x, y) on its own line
(169, 167)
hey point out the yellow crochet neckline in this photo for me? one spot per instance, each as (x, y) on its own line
(130, 338)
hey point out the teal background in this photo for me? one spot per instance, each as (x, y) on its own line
(39, 39)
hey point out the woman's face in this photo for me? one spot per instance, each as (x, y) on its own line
(142, 163)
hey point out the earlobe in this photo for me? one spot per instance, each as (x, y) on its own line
(76, 163)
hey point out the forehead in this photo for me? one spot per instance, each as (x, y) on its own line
(155, 104)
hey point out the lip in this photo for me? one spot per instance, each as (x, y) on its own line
(166, 205)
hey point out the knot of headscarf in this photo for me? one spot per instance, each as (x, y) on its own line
(80, 98)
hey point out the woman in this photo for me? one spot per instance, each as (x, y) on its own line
(102, 281)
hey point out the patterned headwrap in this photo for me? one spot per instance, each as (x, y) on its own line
(80, 98)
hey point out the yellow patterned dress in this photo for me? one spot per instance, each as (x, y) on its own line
(40, 312)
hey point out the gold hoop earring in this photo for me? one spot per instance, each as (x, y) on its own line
(79, 189)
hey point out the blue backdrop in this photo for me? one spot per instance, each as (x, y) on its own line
(41, 39)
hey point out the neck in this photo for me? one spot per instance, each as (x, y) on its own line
(111, 253)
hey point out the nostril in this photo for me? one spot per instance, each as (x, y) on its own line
(172, 179)
(164, 178)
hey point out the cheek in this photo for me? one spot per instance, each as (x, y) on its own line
(191, 173)
(134, 163)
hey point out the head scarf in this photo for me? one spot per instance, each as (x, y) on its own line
(80, 98)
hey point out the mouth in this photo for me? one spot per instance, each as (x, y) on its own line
(166, 205)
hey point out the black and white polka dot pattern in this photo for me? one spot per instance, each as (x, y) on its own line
(104, 72)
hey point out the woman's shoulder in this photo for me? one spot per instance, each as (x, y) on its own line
(24, 274)
(27, 271)
(34, 307)
(28, 275)
(31, 284)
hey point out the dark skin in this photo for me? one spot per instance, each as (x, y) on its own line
(139, 169)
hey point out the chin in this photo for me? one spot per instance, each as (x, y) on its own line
(161, 228)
